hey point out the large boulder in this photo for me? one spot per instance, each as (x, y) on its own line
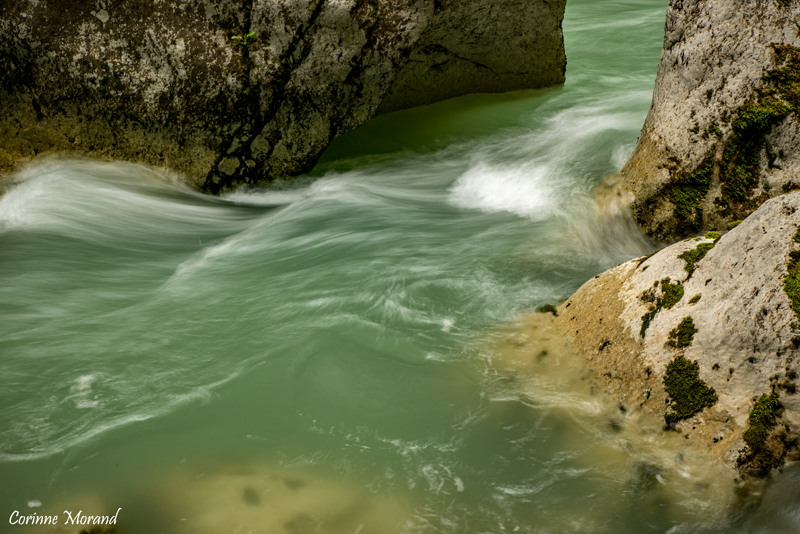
(722, 132)
(705, 334)
(241, 92)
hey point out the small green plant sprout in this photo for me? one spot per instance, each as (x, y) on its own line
(243, 40)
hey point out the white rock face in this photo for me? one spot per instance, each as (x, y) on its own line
(715, 54)
(747, 342)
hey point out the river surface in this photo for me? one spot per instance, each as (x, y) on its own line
(327, 355)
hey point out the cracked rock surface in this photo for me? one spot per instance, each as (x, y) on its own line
(715, 55)
(747, 339)
(166, 83)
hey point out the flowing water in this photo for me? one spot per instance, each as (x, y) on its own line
(330, 354)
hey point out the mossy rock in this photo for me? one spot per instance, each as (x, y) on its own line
(740, 165)
(762, 419)
(791, 282)
(688, 192)
(682, 335)
(645, 258)
(671, 294)
(688, 394)
(646, 319)
(691, 257)
(767, 441)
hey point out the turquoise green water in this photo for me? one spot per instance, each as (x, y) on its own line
(317, 356)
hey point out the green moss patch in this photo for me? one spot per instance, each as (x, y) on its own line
(670, 295)
(688, 394)
(767, 442)
(770, 104)
(740, 166)
(791, 282)
(691, 257)
(713, 235)
(688, 192)
(646, 319)
(740, 169)
(762, 419)
(695, 299)
(682, 335)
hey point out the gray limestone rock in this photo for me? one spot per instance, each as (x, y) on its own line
(690, 171)
(747, 339)
(230, 92)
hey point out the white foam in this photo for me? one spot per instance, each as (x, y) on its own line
(266, 197)
(522, 190)
(621, 155)
(81, 391)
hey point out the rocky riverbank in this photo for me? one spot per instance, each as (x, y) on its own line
(705, 334)
(721, 136)
(228, 93)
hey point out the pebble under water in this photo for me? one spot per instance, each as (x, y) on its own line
(340, 353)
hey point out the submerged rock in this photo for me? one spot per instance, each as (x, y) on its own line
(705, 334)
(242, 92)
(722, 134)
